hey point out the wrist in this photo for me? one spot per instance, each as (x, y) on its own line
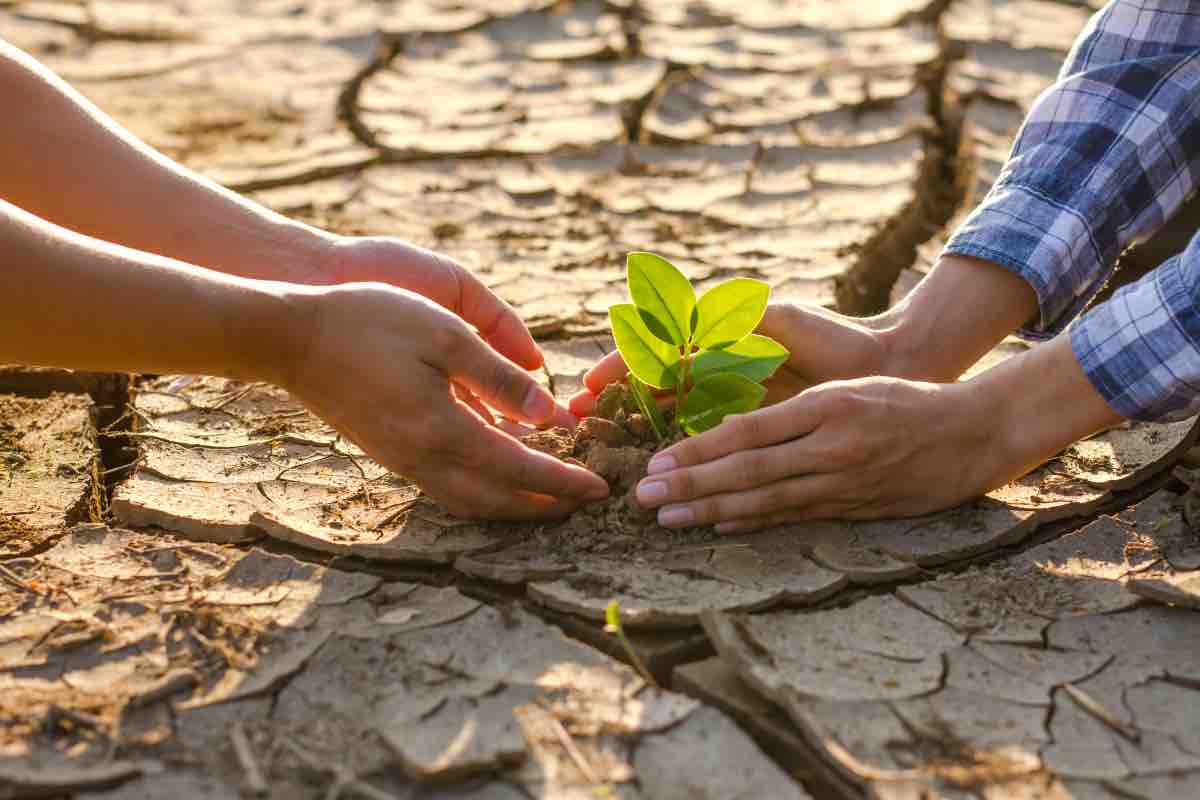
(1038, 404)
(274, 324)
(962, 309)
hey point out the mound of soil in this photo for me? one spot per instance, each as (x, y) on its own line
(616, 444)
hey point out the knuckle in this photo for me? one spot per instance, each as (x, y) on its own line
(708, 510)
(473, 459)
(448, 340)
(748, 430)
(781, 496)
(504, 381)
(684, 484)
(755, 468)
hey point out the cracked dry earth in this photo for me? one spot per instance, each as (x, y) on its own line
(207, 593)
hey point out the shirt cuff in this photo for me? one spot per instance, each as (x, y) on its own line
(1052, 247)
(1140, 349)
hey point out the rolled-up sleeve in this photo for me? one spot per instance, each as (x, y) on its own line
(1106, 155)
(1141, 348)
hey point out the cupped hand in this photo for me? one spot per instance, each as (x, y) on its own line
(410, 382)
(824, 346)
(858, 449)
(438, 277)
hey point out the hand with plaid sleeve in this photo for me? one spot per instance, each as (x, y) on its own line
(1106, 155)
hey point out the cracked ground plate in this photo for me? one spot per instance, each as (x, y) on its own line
(227, 462)
(1060, 686)
(46, 454)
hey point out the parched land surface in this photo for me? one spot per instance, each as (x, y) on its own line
(207, 593)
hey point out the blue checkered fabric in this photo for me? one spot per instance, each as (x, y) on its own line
(1106, 155)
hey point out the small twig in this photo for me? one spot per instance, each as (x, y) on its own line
(572, 749)
(136, 462)
(169, 684)
(232, 398)
(256, 784)
(310, 462)
(703, 547)
(56, 714)
(362, 472)
(16, 580)
(1101, 713)
(401, 509)
(343, 778)
(190, 548)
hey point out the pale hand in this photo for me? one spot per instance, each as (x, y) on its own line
(381, 365)
(852, 436)
(863, 448)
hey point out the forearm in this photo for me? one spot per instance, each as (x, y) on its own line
(1034, 405)
(76, 302)
(960, 311)
(64, 160)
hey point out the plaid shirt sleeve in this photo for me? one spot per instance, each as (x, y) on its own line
(1106, 155)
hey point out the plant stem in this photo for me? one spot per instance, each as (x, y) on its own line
(638, 664)
(679, 388)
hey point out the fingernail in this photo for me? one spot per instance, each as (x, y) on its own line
(651, 492)
(539, 405)
(661, 463)
(675, 516)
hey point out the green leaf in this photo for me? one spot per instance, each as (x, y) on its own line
(647, 405)
(716, 397)
(663, 296)
(653, 361)
(755, 357)
(729, 312)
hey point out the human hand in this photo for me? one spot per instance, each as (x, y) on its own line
(857, 449)
(384, 259)
(387, 367)
(877, 447)
(823, 346)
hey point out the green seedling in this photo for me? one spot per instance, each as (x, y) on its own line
(705, 350)
(612, 620)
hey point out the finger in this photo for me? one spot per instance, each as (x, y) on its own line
(609, 369)
(583, 404)
(514, 429)
(824, 344)
(736, 472)
(497, 322)
(762, 428)
(791, 495)
(563, 418)
(498, 456)
(495, 380)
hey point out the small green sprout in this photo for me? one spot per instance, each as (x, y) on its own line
(704, 349)
(612, 619)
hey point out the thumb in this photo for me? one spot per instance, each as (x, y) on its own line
(609, 369)
(497, 381)
(824, 345)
